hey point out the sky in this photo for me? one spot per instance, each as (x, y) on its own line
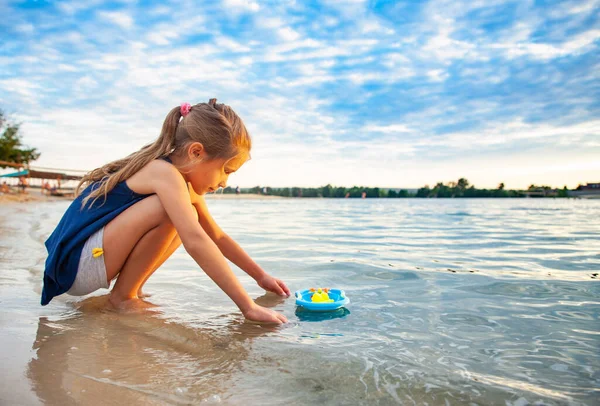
(369, 93)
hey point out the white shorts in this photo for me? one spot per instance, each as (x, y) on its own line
(91, 272)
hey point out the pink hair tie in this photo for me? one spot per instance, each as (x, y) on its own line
(185, 109)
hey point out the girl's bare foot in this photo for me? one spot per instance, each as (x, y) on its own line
(129, 304)
(142, 295)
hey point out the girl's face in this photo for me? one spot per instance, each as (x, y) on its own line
(209, 175)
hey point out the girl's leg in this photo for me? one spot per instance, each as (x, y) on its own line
(172, 247)
(133, 243)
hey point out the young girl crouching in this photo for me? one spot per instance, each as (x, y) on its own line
(136, 211)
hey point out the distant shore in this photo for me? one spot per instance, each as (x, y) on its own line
(33, 195)
(24, 197)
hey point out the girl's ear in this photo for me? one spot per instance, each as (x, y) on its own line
(196, 151)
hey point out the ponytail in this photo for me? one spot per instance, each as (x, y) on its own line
(117, 171)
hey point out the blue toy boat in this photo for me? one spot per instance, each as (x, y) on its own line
(321, 300)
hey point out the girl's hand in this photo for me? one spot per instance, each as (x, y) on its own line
(264, 315)
(274, 285)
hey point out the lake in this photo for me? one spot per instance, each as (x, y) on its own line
(453, 301)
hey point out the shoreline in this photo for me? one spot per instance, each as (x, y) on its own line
(29, 198)
(36, 197)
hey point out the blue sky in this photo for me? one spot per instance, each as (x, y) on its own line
(376, 93)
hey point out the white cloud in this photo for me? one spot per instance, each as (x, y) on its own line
(581, 41)
(330, 21)
(387, 129)
(120, 19)
(444, 48)
(85, 84)
(279, 26)
(63, 67)
(270, 22)
(105, 64)
(585, 7)
(160, 11)
(395, 59)
(521, 31)
(73, 7)
(437, 75)
(26, 89)
(310, 80)
(231, 44)
(288, 34)
(578, 7)
(245, 61)
(511, 132)
(376, 27)
(579, 44)
(241, 5)
(162, 37)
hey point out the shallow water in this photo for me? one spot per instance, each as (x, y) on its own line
(453, 302)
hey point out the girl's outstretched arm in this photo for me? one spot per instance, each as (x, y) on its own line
(170, 187)
(232, 251)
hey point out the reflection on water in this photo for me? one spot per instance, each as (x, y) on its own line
(139, 356)
(307, 315)
(453, 302)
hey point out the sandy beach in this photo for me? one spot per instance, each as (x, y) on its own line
(35, 196)
(21, 198)
(31, 196)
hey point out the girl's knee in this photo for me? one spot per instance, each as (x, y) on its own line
(159, 213)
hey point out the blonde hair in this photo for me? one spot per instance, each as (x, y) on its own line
(216, 126)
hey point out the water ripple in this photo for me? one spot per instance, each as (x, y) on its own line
(453, 302)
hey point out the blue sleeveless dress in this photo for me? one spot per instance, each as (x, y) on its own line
(77, 224)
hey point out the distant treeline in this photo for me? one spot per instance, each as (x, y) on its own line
(461, 188)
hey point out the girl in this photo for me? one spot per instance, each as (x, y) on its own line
(136, 211)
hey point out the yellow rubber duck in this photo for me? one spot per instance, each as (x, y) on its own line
(321, 296)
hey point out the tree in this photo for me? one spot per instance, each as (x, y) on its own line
(564, 192)
(327, 191)
(11, 146)
(423, 192)
(441, 190)
(462, 184)
(501, 186)
(340, 191)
